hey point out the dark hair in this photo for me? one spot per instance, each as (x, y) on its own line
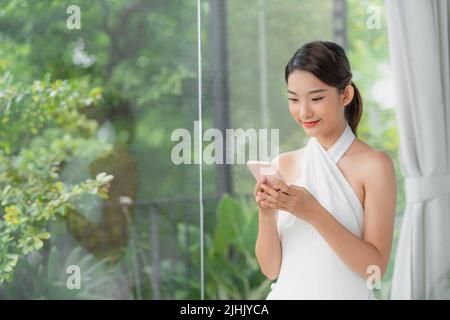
(328, 62)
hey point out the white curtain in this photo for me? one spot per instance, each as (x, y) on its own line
(419, 48)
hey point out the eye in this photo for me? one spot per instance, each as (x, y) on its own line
(293, 99)
(317, 99)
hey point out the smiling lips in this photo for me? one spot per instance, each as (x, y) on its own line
(310, 124)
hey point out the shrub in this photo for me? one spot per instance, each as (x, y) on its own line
(42, 126)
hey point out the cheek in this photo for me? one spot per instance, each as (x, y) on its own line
(293, 109)
(327, 110)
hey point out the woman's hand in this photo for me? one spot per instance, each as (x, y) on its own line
(294, 199)
(261, 203)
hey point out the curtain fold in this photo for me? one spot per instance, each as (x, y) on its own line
(419, 48)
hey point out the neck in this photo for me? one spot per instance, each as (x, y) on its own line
(327, 140)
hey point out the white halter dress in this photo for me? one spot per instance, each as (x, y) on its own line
(310, 269)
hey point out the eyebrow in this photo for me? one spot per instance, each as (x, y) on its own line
(309, 92)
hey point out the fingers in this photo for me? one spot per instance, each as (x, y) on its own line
(289, 190)
(280, 196)
(260, 200)
(262, 203)
(280, 185)
(258, 185)
(271, 202)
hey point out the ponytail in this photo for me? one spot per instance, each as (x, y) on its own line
(354, 109)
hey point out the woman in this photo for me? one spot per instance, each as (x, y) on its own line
(326, 231)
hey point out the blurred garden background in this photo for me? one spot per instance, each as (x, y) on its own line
(86, 117)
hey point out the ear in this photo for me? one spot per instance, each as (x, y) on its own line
(347, 95)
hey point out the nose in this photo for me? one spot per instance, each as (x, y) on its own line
(304, 111)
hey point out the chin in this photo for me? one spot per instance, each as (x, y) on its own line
(310, 134)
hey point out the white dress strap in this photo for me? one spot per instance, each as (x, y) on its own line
(340, 146)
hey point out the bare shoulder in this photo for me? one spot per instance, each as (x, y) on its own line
(373, 163)
(288, 163)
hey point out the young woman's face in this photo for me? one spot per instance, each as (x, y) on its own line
(312, 100)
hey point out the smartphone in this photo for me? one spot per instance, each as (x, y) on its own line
(263, 169)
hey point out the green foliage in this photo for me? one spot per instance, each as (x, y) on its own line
(231, 268)
(145, 61)
(41, 276)
(42, 128)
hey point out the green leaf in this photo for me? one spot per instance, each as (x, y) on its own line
(38, 243)
(230, 219)
(44, 235)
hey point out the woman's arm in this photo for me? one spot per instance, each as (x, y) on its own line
(268, 245)
(379, 212)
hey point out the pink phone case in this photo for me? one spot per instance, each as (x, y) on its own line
(263, 168)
